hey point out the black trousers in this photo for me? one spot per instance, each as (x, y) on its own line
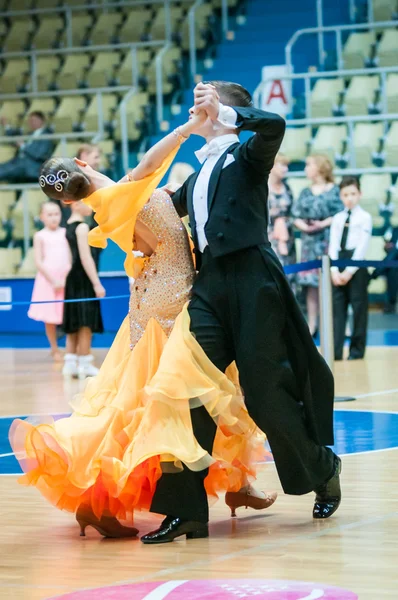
(392, 286)
(19, 170)
(356, 294)
(238, 313)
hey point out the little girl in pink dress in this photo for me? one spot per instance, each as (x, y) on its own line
(53, 261)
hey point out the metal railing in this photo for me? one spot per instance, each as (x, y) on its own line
(68, 11)
(33, 55)
(192, 38)
(337, 30)
(344, 73)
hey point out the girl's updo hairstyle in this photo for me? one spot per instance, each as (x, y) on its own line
(61, 178)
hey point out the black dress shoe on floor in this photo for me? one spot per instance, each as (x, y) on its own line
(328, 495)
(173, 527)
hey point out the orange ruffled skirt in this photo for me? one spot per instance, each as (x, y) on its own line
(132, 422)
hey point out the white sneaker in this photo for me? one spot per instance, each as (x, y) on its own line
(70, 365)
(85, 367)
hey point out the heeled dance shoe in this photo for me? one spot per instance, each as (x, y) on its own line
(107, 526)
(245, 498)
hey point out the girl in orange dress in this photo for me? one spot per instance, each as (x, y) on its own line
(132, 420)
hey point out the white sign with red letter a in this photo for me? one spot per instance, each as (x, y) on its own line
(276, 92)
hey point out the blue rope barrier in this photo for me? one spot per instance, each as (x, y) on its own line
(289, 269)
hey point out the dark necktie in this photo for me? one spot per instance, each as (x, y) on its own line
(345, 232)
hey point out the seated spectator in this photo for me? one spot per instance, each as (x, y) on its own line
(31, 154)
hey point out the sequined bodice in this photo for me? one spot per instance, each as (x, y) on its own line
(163, 286)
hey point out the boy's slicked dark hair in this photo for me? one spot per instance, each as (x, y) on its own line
(350, 180)
(232, 94)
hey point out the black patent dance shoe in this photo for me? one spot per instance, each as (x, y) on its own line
(173, 527)
(328, 495)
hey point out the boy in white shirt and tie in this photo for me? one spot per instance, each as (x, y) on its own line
(350, 234)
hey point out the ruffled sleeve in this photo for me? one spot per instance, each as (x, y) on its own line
(116, 209)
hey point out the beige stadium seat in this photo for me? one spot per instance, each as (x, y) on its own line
(374, 188)
(17, 38)
(15, 75)
(134, 27)
(10, 259)
(170, 65)
(13, 111)
(109, 104)
(387, 52)
(325, 97)
(329, 140)
(68, 114)
(297, 185)
(360, 94)
(108, 152)
(357, 49)
(73, 71)
(17, 220)
(391, 146)
(392, 93)
(296, 143)
(383, 9)
(7, 152)
(202, 14)
(50, 33)
(157, 29)
(135, 114)
(34, 199)
(375, 251)
(81, 25)
(124, 75)
(28, 265)
(103, 69)
(104, 29)
(47, 69)
(366, 141)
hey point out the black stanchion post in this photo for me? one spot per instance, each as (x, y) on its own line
(326, 320)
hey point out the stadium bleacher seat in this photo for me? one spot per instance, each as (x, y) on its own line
(105, 28)
(358, 49)
(124, 75)
(103, 69)
(392, 93)
(383, 9)
(201, 16)
(13, 111)
(376, 252)
(171, 65)
(49, 34)
(68, 115)
(15, 75)
(325, 96)
(387, 52)
(10, 258)
(157, 30)
(18, 35)
(366, 141)
(109, 105)
(391, 146)
(360, 94)
(296, 143)
(135, 114)
(47, 69)
(374, 188)
(134, 27)
(329, 140)
(81, 26)
(73, 71)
